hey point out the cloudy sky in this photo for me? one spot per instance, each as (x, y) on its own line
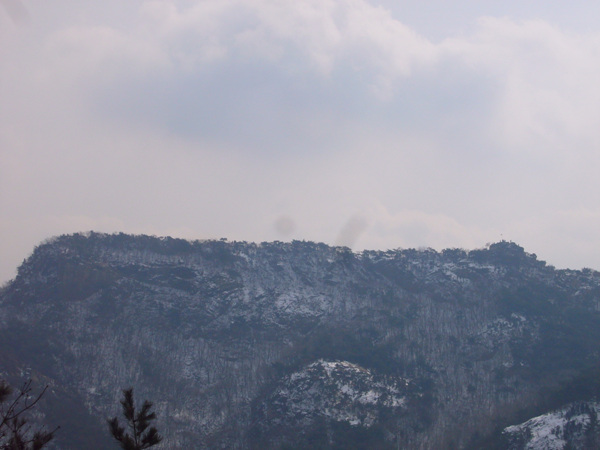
(368, 123)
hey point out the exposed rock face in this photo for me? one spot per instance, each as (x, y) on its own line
(575, 426)
(337, 391)
(266, 345)
(327, 392)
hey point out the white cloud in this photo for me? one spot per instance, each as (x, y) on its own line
(220, 118)
(307, 35)
(547, 97)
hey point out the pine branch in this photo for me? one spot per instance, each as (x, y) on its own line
(137, 424)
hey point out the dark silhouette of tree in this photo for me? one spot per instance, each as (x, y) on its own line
(15, 432)
(142, 435)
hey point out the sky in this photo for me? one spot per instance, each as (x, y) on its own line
(371, 124)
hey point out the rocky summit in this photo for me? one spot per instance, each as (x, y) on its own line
(304, 345)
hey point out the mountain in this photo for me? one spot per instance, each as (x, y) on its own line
(296, 345)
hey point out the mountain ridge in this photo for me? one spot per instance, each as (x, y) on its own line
(210, 330)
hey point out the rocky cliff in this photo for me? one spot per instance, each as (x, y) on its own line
(274, 345)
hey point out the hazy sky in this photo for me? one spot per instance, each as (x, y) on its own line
(372, 124)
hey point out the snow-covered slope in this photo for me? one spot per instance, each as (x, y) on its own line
(574, 426)
(339, 390)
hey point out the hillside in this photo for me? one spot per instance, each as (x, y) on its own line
(273, 345)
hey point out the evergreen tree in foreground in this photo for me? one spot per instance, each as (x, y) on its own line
(142, 435)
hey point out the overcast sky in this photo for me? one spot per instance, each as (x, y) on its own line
(373, 124)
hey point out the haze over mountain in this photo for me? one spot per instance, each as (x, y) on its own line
(279, 345)
(373, 124)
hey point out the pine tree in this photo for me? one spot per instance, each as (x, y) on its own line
(142, 435)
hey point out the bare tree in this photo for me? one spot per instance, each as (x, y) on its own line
(15, 432)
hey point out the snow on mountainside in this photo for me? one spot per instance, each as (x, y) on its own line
(298, 344)
(574, 426)
(339, 392)
(353, 394)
